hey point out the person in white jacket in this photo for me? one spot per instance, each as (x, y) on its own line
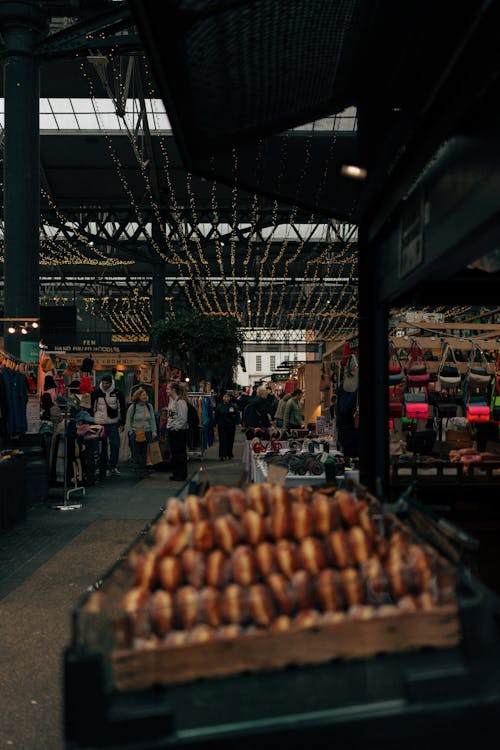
(108, 408)
(177, 427)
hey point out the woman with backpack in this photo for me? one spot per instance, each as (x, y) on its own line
(141, 427)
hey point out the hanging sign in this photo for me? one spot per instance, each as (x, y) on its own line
(29, 351)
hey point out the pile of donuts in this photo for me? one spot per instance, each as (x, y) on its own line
(269, 558)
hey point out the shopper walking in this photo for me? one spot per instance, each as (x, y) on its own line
(177, 427)
(140, 425)
(280, 410)
(108, 407)
(292, 418)
(226, 419)
(257, 412)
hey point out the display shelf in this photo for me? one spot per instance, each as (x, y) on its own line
(390, 697)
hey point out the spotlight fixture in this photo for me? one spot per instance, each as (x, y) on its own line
(11, 329)
(34, 324)
(24, 331)
(353, 171)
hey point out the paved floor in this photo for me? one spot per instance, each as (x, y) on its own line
(46, 563)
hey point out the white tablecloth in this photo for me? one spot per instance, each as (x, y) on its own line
(259, 475)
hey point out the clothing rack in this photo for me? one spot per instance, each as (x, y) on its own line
(67, 491)
(193, 451)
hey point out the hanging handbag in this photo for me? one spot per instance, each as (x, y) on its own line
(416, 371)
(396, 408)
(396, 373)
(448, 372)
(416, 405)
(477, 412)
(477, 374)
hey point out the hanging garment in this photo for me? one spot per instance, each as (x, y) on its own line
(16, 392)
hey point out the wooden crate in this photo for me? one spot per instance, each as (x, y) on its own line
(348, 639)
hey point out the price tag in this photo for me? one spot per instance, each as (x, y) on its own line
(277, 474)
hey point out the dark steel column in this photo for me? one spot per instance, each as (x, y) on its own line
(22, 24)
(158, 307)
(373, 369)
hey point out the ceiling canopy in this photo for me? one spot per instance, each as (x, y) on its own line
(235, 192)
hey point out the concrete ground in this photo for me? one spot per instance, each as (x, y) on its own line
(46, 563)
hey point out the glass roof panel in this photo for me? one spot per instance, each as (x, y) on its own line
(66, 122)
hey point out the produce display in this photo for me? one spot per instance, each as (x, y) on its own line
(236, 564)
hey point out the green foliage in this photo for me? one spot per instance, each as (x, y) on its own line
(207, 346)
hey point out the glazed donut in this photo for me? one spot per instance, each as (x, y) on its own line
(365, 519)
(323, 513)
(280, 497)
(280, 522)
(337, 543)
(287, 557)
(360, 544)
(179, 538)
(193, 566)
(301, 520)
(281, 624)
(261, 605)
(399, 576)
(329, 590)
(228, 632)
(201, 634)
(237, 501)
(187, 607)
(303, 589)
(170, 573)
(174, 512)
(377, 586)
(420, 568)
(361, 612)
(283, 593)
(218, 568)
(265, 558)
(332, 617)
(302, 493)
(210, 606)
(313, 555)
(254, 526)
(353, 587)
(307, 618)
(259, 497)
(228, 532)
(234, 604)
(195, 508)
(348, 506)
(243, 566)
(203, 536)
(217, 501)
(146, 569)
(408, 604)
(176, 638)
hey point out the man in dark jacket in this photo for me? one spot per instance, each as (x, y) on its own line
(226, 419)
(257, 413)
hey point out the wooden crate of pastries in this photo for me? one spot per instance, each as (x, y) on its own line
(263, 578)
